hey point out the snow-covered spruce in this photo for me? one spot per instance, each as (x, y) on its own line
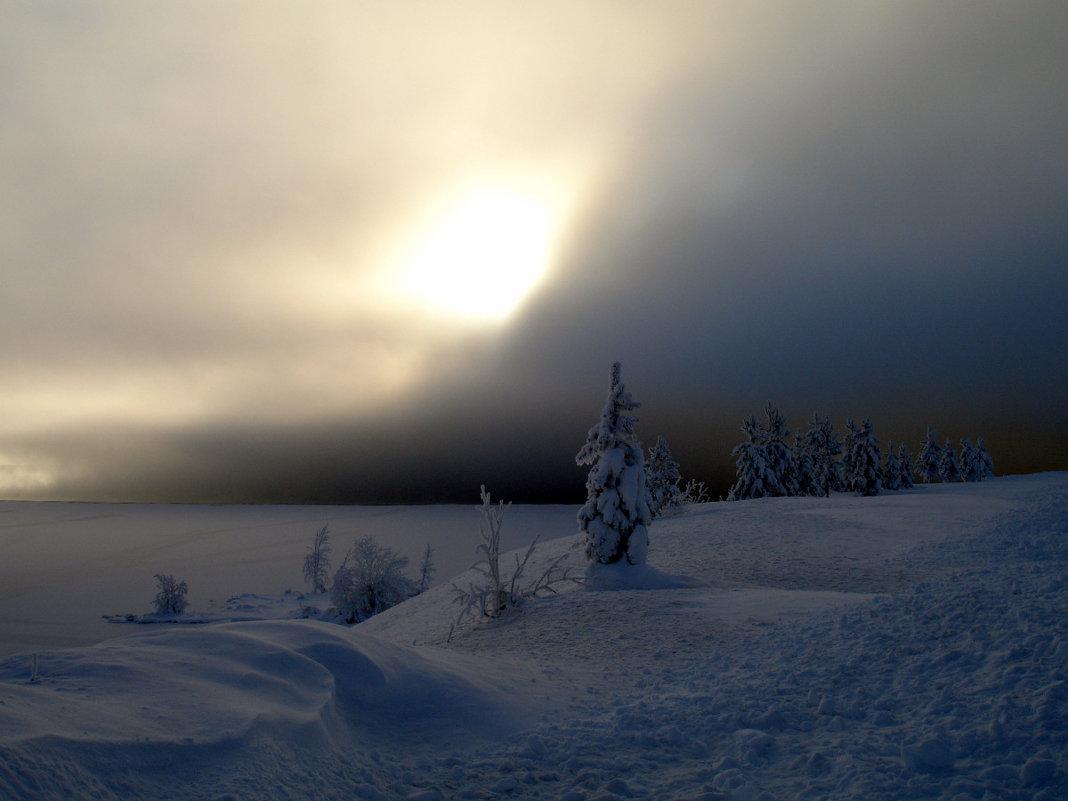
(765, 463)
(929, 459)
(616, 512)
(948, 463)
(861, 460)
(822, 449)
(662, 478)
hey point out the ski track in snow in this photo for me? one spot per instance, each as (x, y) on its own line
(912, 645)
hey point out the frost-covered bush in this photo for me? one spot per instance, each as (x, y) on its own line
(317, 560)
(426, 570)
(170, 599)
(495, 592)
(370, 580)
(616, 512)
(694, 492)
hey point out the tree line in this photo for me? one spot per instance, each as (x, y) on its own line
(815, 462)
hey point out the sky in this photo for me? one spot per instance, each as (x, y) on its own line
(387, 252)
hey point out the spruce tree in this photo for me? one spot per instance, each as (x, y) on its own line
(863, 460)
(904, 458)
(971, 462)
(778, 456)
(892, 468)
(948, 466)
(929, 459)
(616, 512)
(821, 449)
(662, 478)
(750, 467)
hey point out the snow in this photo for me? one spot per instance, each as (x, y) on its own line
(909, 645)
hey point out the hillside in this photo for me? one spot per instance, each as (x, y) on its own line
(912, 645)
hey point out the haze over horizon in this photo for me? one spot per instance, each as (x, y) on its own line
(387, 253)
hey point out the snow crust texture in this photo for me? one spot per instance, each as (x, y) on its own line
(912, 645)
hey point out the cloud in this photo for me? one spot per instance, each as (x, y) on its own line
(855, 207)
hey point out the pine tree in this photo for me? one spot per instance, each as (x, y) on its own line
(929, 459)
(616, 512)
(662, 478)
(904, 457)
(750, 467)
(892, 468)
(864, 475)
(821, 449)
(778, 456)
(948, 466)
(970, 462)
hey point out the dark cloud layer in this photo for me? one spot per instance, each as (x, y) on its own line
(857, 209)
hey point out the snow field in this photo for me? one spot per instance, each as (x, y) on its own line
(912, 645)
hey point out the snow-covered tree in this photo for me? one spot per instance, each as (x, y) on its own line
(765, 464)
(170, 599)
(806, 483)
(821, 449)
(971, 463)
(904, 458)
(750, 468)
(370, 580)
(778, 456)
(986, 462)
(662, 479)
(862, 459)
(891, 468)
(929, 459)
(948, 466)
(317, 560)
(616, 512)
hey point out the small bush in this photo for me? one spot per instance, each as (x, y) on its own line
(495, 593)
(170, 600)
(370, 580)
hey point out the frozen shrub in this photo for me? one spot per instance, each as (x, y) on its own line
(317, 560)
(694, 492)
(170, 599)
(426, 570)
(370, 580)
(495, 593)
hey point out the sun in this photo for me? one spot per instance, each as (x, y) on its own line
(480, 251)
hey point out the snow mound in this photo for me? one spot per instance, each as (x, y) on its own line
(622, 576)
(229, 682)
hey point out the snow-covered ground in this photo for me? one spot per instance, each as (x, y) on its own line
(912, 645)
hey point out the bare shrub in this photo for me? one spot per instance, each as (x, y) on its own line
(170, 599)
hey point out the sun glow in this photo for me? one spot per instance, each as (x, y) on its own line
(480, 252)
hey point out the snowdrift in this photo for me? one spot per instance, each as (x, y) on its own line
(912, 645)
